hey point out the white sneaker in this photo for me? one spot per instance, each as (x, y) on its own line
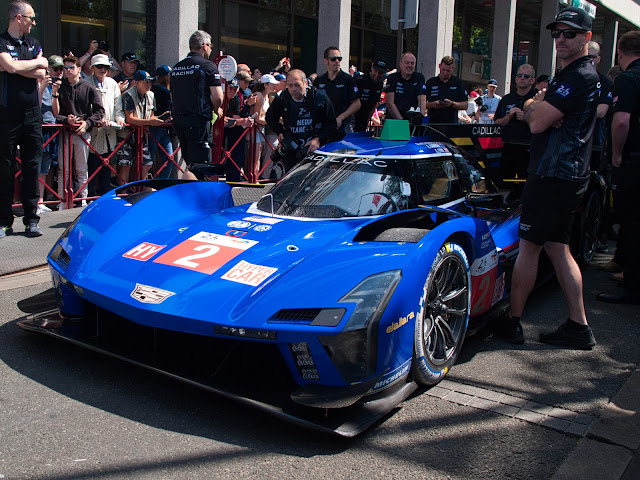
(42, 209)
(83, 203)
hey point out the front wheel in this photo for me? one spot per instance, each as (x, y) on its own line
(442, 319)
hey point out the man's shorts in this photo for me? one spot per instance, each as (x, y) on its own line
(127, 153)
(548, 209)
(195, 141)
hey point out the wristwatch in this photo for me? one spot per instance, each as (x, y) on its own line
(56, 95)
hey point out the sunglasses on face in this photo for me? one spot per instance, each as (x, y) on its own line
(333, 59)
(101, 67)
(57, 69)
(523, 75)
(69, 67)
(569, 33)
(33, 19)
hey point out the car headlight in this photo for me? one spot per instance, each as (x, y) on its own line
(354, 351)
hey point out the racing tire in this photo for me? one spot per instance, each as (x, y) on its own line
(589, 229)
(441, 322)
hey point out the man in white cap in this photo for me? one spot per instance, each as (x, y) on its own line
(104, 138)
(490, 103)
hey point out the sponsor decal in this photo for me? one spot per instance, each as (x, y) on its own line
(144, 251)
(401, 321)
(236, 233)
(393, 377)
(498, 290)
(482, 264)
(262, 228)
(205, 252)
(248, 273)
(267, 220)
(149, 294)
(564, 90)
(486, 130)
(238, 224)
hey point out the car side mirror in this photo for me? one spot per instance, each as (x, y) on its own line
(487, 201)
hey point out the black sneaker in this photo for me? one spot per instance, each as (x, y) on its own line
(4, 231)
(510, 330)
(567, 335)
(33, 230)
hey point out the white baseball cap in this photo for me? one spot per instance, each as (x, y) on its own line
(268, 79)
(100, 59)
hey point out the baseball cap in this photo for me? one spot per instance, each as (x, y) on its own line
(143, 75)
(233, 83)
(242, 75)
(380, 65)
(268, 79)
(542, 78)
(56, 61)
(473, 94)
(163, 70)
(280, 77)
(493, 81)
(574, 17)
(130, 56)
(100, 59)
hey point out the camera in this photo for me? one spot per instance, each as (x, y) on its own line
(478, 101)
(484, 108)
(103, 45)
(289, 145)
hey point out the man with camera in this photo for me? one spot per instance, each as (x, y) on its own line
(308, 120)
(490, 102)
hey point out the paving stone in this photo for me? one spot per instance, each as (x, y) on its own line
(529, 416)
(470, 390)
(448, 384)
(577, 429)
(563, 414)
(457, 397)
(555, 423)
(538, 407)
(513, 401)
(481, 403)
(507, 410)
(489, 395)
(438, 392)
(584, 419)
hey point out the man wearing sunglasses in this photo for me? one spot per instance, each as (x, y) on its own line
(21, 67)
(515, 132)
(562, 121)
(341, 89)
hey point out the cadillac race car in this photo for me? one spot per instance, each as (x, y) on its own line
(325, 300)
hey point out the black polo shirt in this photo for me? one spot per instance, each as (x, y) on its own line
(17, 91)
(626, 98)
(453, 89)
(565, 152)
(516, 130)
(406, 92)
(190, 93)
(369, 97)
(342, 90)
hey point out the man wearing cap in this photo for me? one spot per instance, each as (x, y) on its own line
(561, 120)
(490, 102)
(282, 82)
(196, 94)
(342, 91)
(542, 82)
(21, 66)
(162, 135)
(370, 89)
(77, 104)
(516, 134)
(129, 64)
(139, 107)
(625, 159)
(445, 94)
(405, 89)
(103, 137)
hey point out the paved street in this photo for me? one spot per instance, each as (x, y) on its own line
(525, 412)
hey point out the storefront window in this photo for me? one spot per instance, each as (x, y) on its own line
(134, 29)
(83, 21)
(371, 35)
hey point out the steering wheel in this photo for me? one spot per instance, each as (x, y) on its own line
(388, 206)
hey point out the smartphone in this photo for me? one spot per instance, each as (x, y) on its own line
(165, 116)
(255, 115)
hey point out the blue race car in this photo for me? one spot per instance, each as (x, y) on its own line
(326, 300)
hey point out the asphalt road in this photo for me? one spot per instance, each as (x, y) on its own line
(66, 413)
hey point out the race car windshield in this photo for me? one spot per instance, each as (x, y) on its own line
(330, 186)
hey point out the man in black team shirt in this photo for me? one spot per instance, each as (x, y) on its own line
(562, 121)
(515, 132)
(445, 94)
(21, 66)
(303, 119)
(405, 89)
(370, 88)
(195, 94)
(341, 90)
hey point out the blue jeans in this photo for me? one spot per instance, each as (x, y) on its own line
(161, 134)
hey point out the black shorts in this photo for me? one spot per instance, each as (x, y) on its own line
(548, 208)
(195, 141)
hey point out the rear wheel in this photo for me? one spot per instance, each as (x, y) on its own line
(442, 320)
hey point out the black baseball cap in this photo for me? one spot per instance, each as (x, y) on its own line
(130, 56)
(574, 17)
(380, 65)
(143, 75)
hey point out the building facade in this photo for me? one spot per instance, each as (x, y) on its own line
(487, 38)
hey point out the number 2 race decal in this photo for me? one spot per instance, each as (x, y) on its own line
(205, 252)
